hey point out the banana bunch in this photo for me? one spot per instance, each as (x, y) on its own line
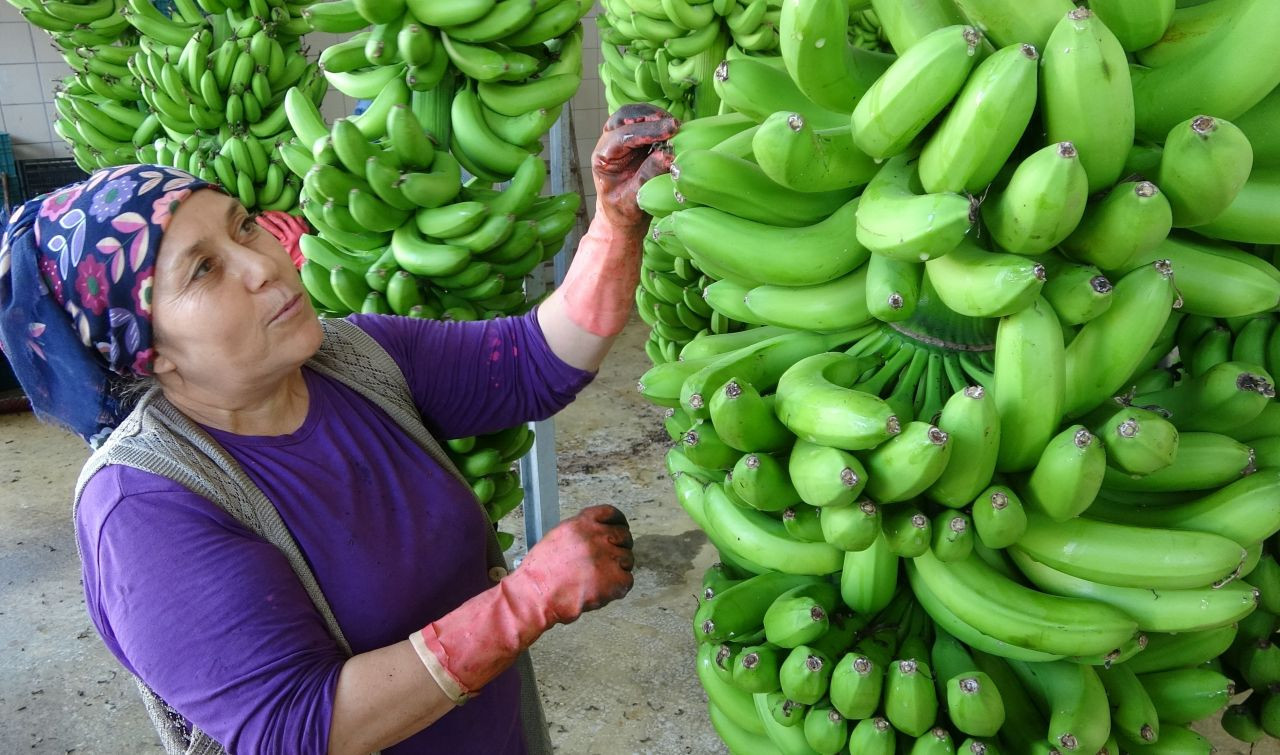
(670, 49)
(215, 83)
(100, 113)
(486, 461)
(520, 63)
(398, 232)
(1007, 390)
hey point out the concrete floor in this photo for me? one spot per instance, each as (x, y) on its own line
(617, 681)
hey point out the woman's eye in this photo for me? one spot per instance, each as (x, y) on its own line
(249, 225)
(202, 268)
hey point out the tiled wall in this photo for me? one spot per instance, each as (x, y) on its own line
(30, 68)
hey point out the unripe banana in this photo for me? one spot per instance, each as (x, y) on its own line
(1077, 293)
(873, 736)
(998, 517)
(1009, 22)
(895, 221)
(1030, 379)
(856, 686)
(907, 531)
(763, 539)
(869, 578)
(814, 404)
(761, 482)
(1136, 25)
(976, 283)
(825, 476)
(1130, 556)
(1169, 651)
(1138, 441)
(805, 675)
(974, 704)
(910, 702)
(799, 615)
(1042, 203)
(854, 527)
(1187, 695)
(1189, 610)
(971, 421)
(979, 132)
(893, 287)
(1227, 395)
(745, 420)
(1206, 162)
(793, 153)
(906, 465)
(755, 669)
(825, 67)
(1140, 308)
(952, 536)
(825, 730)
(1087, 96)
(1079, 718)
(836, 305)
(801, 522)
(1130, 221)
(1216, 279)
(914, 89)
(1202, 461)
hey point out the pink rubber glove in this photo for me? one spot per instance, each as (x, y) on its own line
(287, 229)
(582, 564)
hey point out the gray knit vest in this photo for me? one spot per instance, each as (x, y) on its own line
(158, 438)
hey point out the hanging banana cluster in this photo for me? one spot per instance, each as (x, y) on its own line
(670, 48)
(99, 103)
(519, 63)
(968, 355)
(471, 86)
(215, 79)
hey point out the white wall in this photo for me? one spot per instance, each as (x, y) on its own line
(30, 68)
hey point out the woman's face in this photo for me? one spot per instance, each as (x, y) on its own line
(229, 308)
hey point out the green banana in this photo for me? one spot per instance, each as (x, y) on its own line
(974, 704)
(910, 702)
(1130, 556)
(913, 90)
(836, 305)
(756, 669)
(761, 482)
(814, 403)
(895, 221)
(805, 675)
(831, 72)
(1216, 279)
(999, 517)
(799, 615)
(1042, 203)
(738, 611)
(976, 283)
(825, 476)
(1242, 511)
(873, 736)
(791, 152)
(908, 532)
(818, 253)
(764, 540)
(1172, 91)
(952, 536)
(892, 287)
(512, 99)
(763, 364)
(1202, 461)
(1169, 651)
(1079, 716)
(908, 463)
(983, 126)
(976, 639)
(1139, 441)
(869, 578)
(1154, 610)
(1226, 395)
(1018, 615)
(737, 186)
(801, 522)
(853, 527)
(1140, 308)
(1068, 476)
(1205, 164)
(856, 685)
(1136, 25)
(1077, 293)
(745, 420)
(1009, 23)
(1187, 695)
(1087, 95)
(756, 89)
(1030, 380)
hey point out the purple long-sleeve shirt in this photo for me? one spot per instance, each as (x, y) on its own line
(213, 618)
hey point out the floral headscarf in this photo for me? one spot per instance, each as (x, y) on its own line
(76, 273)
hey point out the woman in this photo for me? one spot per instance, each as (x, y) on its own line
(264, 527)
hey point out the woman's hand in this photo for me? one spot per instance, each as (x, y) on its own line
(582, 564)
(631, 150)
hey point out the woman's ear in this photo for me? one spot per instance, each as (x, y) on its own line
(162, 365)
